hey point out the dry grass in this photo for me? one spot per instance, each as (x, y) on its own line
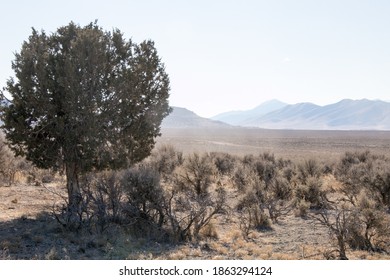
(29, 231)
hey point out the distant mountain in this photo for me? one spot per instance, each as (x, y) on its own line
(242, 117)
(344, 115)
(183, 118)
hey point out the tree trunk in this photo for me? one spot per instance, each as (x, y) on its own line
(342, 249)
(73, 187)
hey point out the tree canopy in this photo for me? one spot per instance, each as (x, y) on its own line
(85, 99)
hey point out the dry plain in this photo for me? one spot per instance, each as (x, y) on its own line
(28, 229)
(292, 144)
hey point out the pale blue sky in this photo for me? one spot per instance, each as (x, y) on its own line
(225, 55)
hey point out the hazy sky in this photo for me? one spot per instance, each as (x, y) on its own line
(225, 55)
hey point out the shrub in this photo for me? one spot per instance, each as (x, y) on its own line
(288, 173)
(248, 160)
(132, 197)
(223, 162)
(8, 163)
(196, 174)
(242, 177)
(135, 198)
(165, 159)
(309, 168)
(379, 182)
(189, 213)
(104, 193)
(266, 167)
(281, 188)
(369, 225)
(251, 213)
(100, 204)
(266, 171)
(192, 203)
(362, 224)
(365, 171)
(337, 221)
(145, 201)
(278, 198)
(302, 208)
(313, 193)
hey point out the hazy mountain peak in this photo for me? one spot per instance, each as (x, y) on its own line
(347, 114)
(240, 117)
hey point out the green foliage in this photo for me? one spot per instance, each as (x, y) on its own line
(85, 99)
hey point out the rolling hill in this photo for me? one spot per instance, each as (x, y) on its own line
(183, 118)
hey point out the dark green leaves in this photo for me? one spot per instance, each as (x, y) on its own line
(86, 96)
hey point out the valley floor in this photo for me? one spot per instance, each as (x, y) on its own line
(29, 230)
(291, 144)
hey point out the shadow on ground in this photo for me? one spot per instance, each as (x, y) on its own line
(44, 238)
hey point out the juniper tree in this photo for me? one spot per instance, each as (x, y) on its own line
(84, 99)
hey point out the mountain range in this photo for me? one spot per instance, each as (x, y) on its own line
(242, 117)
(346, 114)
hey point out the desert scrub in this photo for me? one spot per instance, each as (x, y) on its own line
(251, 209)
(144, 207)
(223, 162)
(369, 228)
(310, 168)
(9, 163)
(192, 202)
(196, 174)
(242, 176)
(266, 168)
(278, 198)
(165, 159)
(312, 192)
(301, 208)
(365, 171)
